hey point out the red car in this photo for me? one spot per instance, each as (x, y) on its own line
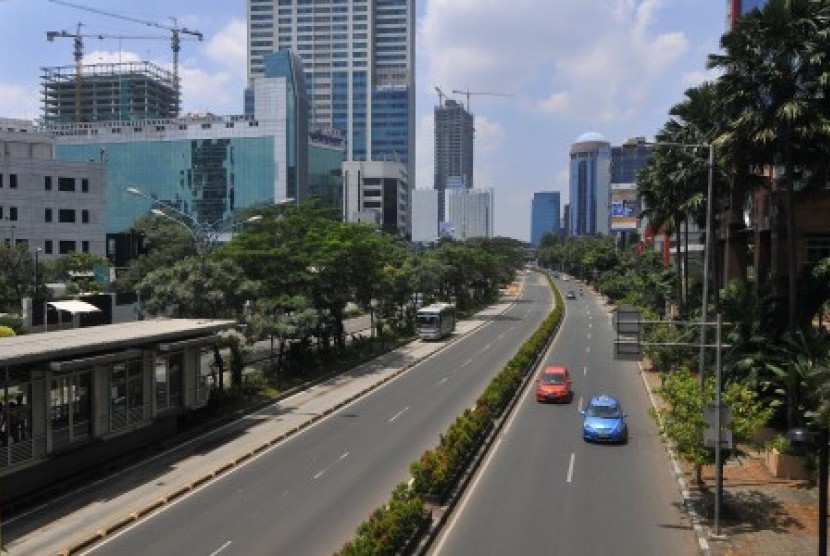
(554, 385)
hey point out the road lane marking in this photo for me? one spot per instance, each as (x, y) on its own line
(588, 349)
(440, 382)
(579, 405)
(467, 362)
(488, 346)
(589, 335)
(326, 469)
(398, 414)
(571, 467)
(585, 371)
(221, 548)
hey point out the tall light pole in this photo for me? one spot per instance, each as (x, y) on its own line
(707, 255)
(204, 235)
(708, 246)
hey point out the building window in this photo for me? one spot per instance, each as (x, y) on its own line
(85, 247)
(85, 185)
(47, 247)
(13, 213)
(47, 183)
(66, 216)
(168, 381)
(85, 216)
(66, 184)
(71, 408)
(66, 246)
(47, 215)
(1, 180)
(126, 394)
(12, 181)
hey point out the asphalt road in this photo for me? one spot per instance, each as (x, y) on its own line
(543, 490)
(307, 495)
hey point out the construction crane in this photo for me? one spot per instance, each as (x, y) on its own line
(175, 38)
(468, 92)
(441, 95)
(78, 54)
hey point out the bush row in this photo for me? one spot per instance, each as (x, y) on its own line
(391, 527)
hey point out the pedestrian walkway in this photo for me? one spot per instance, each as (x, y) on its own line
(83, 517)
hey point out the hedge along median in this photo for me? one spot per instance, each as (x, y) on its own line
(394, 527)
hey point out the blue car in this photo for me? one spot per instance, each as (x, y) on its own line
(604, 420)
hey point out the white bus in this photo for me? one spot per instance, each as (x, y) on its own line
(436, 321)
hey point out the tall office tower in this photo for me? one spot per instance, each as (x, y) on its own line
(424, 216)
(359, 60)
(590, 182)
(544, 218)
(453, 150)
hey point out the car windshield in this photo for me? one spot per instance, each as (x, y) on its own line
(603, 411)
(557, 378)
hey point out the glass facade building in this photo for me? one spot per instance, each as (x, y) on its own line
(626, 162)
(544, 217)
(590, 180)
(358, 57)
(453, 149)
(205, 166)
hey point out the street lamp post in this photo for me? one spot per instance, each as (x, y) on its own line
(708, 253)
(708, 246)
(204, 235)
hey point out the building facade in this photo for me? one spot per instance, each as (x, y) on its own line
(54, 206)
(359, 60)
(122, 92)
(326, 153)
(590, 181)
(544, 217)
(377, 193)
(453, 149)
(424, 215)
(626, 161)
(469, 213)
(206, 166)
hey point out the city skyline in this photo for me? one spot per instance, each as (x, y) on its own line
(617, 74)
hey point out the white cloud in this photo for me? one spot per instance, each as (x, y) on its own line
(18, 102)
(228, 47)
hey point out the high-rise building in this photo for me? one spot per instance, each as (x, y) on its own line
(359, 60)
(469, 213)
(590, 181)
(453, 149)
(544, 217)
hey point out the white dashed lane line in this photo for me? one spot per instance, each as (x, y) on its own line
(398, 414)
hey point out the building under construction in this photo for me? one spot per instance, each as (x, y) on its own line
(128, 91)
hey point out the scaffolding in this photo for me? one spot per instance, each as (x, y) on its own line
(125, 91)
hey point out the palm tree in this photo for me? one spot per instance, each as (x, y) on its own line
(774, 88)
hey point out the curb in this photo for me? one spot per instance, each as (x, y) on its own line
(125, 521)
(688, 504)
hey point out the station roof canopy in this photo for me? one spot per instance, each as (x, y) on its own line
(74, 306)
(62, 344)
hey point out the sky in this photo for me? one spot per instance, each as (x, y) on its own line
(561, 68)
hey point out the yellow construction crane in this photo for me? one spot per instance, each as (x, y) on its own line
(175, 30)
(468, 92)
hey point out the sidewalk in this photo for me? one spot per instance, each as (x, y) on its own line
(760, 514)
(81, 518)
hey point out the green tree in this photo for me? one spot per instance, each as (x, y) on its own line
(197, 288)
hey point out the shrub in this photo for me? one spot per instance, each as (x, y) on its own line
(6, 331)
